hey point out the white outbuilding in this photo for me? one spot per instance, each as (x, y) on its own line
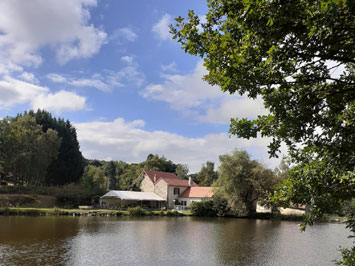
(122, 199)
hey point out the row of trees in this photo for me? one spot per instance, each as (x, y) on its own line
(240, 180)
(103, 175)
(38, 149)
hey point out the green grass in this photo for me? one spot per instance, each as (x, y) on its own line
(16, 211)
(72, 212)
(58, 212)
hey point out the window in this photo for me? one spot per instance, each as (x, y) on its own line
(183, 202)
(176, 191)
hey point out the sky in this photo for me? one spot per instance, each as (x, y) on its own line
(112, 69)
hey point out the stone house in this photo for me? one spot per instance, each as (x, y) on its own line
(167, 185)
(158, 189)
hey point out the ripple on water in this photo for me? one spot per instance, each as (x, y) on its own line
(169, 241)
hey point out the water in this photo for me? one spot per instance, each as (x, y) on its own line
(166, 241)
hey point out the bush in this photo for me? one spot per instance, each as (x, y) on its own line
(217, 206)
(172, 213)
(347, 208)
(161, 213)
(4, 211)
(203, 208)
(220, 206)
(136, 211)
(20, 211)
(71, 195)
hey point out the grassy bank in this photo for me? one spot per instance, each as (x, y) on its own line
(16, 211)
(69, 196)
(13, 211)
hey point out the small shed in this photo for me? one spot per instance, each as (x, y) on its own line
(122, 199)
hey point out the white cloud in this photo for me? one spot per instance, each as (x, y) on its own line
(14, 91)
(161, 28)
(7, 67)
(56, 78)
(30, 77)
(127, 141)
(183, 91)
(94, 83)
(172, 67)
(191, 95)
(126, 33)
(129, 74)
(27, 26)
(59, 101)
(242, 107)
(127, 59)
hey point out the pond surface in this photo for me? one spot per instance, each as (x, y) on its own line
(166, 241)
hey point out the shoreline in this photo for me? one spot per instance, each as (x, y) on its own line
(18, 211)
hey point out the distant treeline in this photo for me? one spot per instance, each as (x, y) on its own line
(38, 149)
(105, 175)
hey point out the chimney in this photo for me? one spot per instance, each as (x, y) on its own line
(190, 181)
(155, 178)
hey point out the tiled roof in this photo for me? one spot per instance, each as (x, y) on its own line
(179, 182)
(197, 192)
(159, 175)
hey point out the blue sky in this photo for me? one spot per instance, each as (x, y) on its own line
(112, 69)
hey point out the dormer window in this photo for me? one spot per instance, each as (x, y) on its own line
(176, 191)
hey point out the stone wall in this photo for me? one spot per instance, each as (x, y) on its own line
(161, 189)
(147, 185)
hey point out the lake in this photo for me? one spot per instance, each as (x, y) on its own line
(173, 241)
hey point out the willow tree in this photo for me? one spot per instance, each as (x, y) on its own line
(243, 181)
(299, 57)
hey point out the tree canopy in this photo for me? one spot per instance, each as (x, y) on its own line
(25, 150)
(125, 176)
(298, 57)
(69, 165)
(48, 146)
(244, 181)
(156, 163)
(207, 175)
(182, 171)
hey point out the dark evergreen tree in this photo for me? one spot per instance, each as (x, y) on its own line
(69, 165)
(110, 172)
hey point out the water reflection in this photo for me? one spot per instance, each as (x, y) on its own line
(35, 241)
(164, 241)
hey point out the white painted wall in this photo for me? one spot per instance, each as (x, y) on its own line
(190, 200)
